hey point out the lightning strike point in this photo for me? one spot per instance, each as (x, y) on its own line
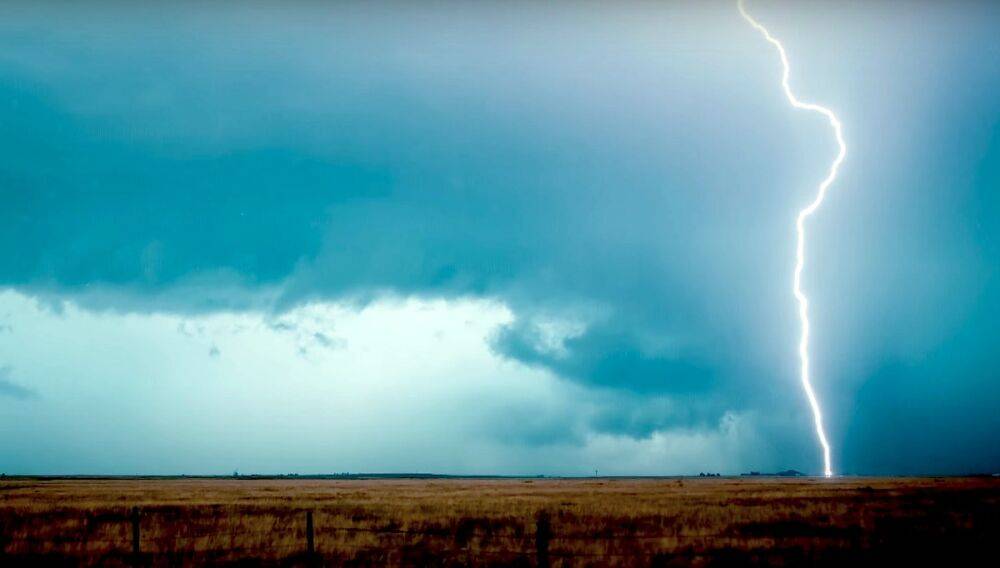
(800, 228)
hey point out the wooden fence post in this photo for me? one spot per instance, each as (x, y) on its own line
(135, 535)
(310, 547)
(543, 533)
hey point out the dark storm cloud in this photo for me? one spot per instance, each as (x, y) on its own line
(390, 174)
(603, 357)
(582, 164)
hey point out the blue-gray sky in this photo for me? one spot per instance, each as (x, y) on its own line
(494, 237)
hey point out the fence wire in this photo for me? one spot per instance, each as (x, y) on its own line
(484, 543)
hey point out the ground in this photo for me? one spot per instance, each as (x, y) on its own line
(514, 522)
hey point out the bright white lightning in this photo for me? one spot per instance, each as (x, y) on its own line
(800, 228)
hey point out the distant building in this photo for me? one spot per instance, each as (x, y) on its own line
(786, 473)
(789, 473)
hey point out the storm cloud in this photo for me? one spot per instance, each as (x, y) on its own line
(622, 178)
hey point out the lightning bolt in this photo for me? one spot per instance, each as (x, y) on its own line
(800, 222)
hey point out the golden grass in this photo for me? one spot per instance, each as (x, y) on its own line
(623, 522)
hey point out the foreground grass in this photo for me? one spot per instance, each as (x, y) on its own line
(494, 522)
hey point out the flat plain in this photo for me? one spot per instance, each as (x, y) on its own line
(500, 522)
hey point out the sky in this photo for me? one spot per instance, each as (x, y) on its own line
(495, 238)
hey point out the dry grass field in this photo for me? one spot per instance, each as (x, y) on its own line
(453, 522)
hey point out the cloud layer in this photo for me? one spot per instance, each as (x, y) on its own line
(620, 180)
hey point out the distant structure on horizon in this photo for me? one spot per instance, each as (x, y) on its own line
(785, 473)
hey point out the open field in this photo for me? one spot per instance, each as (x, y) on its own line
(624, 522)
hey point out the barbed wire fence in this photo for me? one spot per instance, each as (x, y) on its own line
(536, 542)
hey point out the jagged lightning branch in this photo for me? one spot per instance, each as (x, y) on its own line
(800, 227)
